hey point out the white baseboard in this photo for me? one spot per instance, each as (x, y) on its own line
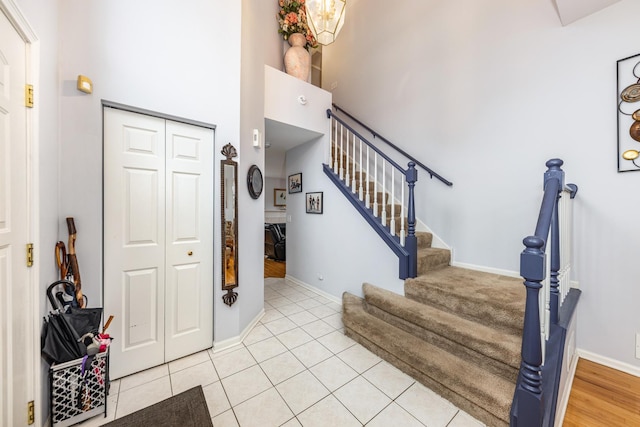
(611, 363)
(313, 289)
(237, 340)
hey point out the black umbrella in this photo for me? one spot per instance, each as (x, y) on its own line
(64, 328)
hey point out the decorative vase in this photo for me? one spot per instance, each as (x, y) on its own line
(297, 61)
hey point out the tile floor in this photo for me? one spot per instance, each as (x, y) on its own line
(295, 368)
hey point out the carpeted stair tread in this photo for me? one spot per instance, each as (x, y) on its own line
(431, 259)
(495, 300)
(447, 329)
(425, 239)
(456, 379)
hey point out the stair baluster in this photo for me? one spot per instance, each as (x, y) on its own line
(402, 225)
(375, 184)
(392, 223)
(368, 201)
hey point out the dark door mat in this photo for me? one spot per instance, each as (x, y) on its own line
(187, 409)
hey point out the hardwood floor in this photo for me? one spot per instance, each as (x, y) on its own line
(602, 396)
(274, 268)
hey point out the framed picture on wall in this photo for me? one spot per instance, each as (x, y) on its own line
(295, 183)
(279, 197)
(314, 202)
(628, 94)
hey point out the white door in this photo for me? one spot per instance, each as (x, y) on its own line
(189, 240)
(158, 237)
(15, 356)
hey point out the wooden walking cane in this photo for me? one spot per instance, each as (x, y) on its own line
(73, 261)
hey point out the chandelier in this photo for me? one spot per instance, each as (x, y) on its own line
(325, 18)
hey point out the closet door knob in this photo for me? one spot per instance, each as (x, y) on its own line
(190, 253)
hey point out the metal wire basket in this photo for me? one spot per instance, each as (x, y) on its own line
(78, 394)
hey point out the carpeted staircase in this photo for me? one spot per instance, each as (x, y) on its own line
(456, 331)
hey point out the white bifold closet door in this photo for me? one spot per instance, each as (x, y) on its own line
(158, 239)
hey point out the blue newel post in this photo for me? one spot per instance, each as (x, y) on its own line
(529, 392)
(554, 172)
(411, 242)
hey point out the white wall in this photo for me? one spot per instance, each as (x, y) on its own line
(338, 250)
(157, 55)
(485, 93)
(260, 45)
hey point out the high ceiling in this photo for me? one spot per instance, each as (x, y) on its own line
(572, 10)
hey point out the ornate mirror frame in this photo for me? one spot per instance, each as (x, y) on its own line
(229, 223)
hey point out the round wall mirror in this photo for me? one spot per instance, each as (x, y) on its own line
(254, 181)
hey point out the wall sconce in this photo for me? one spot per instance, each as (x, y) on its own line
(325, 18)
(84, 84)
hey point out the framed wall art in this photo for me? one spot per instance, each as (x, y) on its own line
(279, 197)
(314, 202)
(295, 183)
(628, 99)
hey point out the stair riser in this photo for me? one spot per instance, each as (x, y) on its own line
(465, 385)
(432, 261)
(492, 365)
(490, 315)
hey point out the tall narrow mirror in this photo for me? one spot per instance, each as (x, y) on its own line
(229, 203)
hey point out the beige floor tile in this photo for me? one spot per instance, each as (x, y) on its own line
(266, 349)
(143, 377)
(293, 422)
(362, 399)
(359, 358)
(336, 342)
(389, 379)
(202, 374)
(258, 333)
(427, 406)
(114, 387)
(143, 395)
(311, 353)
(264, 410)
(271, 315)
(335, 306)
(309, 303)
(333, 373)
(216, 398)
(99, 420)
(279, 302)
(394, 415)
(282, 367)
(318, 328)
(288, 310)
(233, 362)
(294, 338)
(302, 391)
(328, 412)
(462, 419)
(189, 361)
(279, 326)
(296, 296)
(322, 300)
(226, 419)
(245, 385)
(335, 320)
(321, 311)
(302, 318)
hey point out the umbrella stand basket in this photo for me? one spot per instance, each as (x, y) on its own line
(76, 393)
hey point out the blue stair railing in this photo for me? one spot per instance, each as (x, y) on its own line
(378, 187)
(544, 331)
